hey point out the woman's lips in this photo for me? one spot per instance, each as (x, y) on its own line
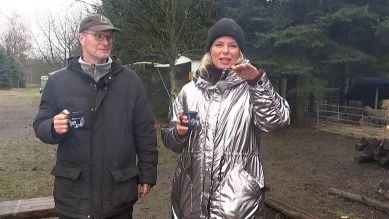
(225, 61)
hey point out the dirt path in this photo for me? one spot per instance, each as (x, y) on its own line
(16, 115)
(301, 164)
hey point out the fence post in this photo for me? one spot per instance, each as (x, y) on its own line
(317, 114)
(338, 109)
(362, 121)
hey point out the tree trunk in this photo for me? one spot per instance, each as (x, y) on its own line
(311, 107)
(342, 85)
(173, 84)
(283, 87)
(300, 101)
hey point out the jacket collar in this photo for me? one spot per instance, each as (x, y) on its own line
(116, 67)
(96, 71)
(227, 79)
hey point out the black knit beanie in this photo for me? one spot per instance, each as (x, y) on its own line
(226, 27)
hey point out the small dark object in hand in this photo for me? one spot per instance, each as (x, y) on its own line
(76, 119)
(192, 119)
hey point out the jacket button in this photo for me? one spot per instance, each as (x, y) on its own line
(92, 109)
(110, 78)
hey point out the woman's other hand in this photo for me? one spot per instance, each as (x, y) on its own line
(247, 71)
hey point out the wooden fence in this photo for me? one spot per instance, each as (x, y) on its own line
(44, 207)
(353, 121)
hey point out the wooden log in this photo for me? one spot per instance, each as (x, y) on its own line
(383, 187)
(377, 158)
(363, 141)
(359, 147)
(374, 141)
(28, 208)
(288, 210)
(368, 151)
(384, 161)
(385, 144)
(376, 151)
(362, 199)
(361, 144)
(385, 153)
(363, 159)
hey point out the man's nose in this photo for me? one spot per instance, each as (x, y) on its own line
(105, 40)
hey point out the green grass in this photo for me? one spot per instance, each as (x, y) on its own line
(30, 95)
(25, 169)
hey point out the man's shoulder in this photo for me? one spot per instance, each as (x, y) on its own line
(57, 71)
(60, 73)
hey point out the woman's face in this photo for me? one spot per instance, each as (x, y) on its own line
(225, 52)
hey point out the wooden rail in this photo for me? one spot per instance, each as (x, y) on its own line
(44, 207)
(285, 210)
(28, 208)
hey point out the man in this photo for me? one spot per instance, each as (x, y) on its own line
(112, 148)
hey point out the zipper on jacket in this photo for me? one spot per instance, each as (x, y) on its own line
(92, 141)
(221, 166)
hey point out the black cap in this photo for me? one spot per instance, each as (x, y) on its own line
(226, 27)
(97, 23)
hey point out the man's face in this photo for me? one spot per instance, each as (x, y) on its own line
(96, 46)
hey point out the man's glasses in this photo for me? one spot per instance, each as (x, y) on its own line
(100, 36)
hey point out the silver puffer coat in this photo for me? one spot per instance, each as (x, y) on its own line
(219, 174)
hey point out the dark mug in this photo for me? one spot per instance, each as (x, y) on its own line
(76, 119)
(192, 119)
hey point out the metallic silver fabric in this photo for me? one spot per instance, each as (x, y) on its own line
(219, 174)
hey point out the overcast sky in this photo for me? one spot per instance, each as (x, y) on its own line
(34, 11)
(31, 11)
(31, 7)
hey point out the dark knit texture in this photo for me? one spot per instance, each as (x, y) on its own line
(226, 27)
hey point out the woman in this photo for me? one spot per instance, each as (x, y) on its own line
(219, 174)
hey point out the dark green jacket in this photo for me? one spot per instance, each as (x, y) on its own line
(99, 165)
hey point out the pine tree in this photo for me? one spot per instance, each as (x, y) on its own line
(5, 75)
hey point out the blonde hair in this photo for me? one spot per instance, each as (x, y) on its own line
(207, 60)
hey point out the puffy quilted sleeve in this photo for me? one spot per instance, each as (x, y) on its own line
(270, 110)
(169, 133)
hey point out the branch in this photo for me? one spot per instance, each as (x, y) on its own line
(87, 3)
(42, 53)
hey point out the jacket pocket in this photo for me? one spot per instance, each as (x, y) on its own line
(125, 186)
(240, 195)
(182, 188)
(68, 187)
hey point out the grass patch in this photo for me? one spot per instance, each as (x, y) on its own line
(30, 95)
(25, 168)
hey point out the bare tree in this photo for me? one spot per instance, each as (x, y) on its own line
(60, 38)
(16, 40)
